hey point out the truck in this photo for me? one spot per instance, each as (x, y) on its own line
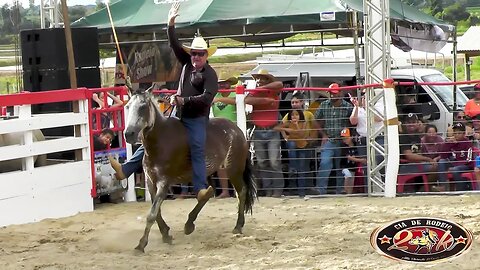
(434, 103)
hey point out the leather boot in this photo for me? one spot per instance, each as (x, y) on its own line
(205, 194)
(119, 175)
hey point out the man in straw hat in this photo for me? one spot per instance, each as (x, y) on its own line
(224, 106)
(196, 89)
(265, 116)
(332, 117)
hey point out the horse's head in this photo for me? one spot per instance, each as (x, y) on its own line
(141, 114)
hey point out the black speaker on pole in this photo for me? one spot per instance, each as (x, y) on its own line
(45, 66)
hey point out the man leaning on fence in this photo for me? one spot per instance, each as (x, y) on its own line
(266, 141)
(332, 116)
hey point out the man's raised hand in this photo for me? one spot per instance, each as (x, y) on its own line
(173, 13)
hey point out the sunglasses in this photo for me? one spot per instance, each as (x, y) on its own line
(201, 54)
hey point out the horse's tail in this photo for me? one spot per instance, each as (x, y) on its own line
(250, 185)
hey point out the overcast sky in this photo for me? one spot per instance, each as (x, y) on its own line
(37, 2)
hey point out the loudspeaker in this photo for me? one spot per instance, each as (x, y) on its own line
(46, 48)
(35, 80)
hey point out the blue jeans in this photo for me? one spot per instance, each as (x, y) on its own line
(445, 165)
(197, 137)
(267, 150)
(134, 163)
(299, 162)
(329, 155)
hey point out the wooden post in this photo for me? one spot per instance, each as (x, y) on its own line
(68, 39)
(71, 70)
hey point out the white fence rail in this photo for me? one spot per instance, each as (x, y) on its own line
(56, 190)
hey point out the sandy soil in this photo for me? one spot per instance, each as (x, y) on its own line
(327, 233)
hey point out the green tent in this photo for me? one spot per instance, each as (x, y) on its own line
(270, 19)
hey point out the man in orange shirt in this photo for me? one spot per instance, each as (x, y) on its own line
(266, 141)
(472, 108)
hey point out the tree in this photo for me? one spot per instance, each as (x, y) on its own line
(456, 12)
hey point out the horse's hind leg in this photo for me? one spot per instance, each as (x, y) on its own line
(237, 183)
(153, 215)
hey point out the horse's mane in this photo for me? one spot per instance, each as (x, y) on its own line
(154, 103)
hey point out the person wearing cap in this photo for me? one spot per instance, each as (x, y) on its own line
(457, 158)
(331, 118)
(472, 107)
(412, 160)
(350, 159)
(460, 117)
(265, 116)
(224, 106)
(197, 87)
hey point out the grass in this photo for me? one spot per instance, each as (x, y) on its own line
(7, 84)
(474, 11)
(7, 62)
(228, 42)
(474, 70)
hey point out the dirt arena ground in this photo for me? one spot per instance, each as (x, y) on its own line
(327, 233)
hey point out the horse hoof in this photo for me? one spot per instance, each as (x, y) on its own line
(140, 249)
(237, 231)
(167, 239)
(189, 228)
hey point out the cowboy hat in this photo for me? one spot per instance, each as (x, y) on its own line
(198, 43)
(231, 80)
(264, 73)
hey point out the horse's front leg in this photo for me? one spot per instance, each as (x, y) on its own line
(157, 200)
(192, 216)
(164, 229)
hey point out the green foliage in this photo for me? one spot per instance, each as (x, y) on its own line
(456, 12)
(474, 70)
(8, 84)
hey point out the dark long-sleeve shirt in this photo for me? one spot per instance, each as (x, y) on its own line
(200, 86)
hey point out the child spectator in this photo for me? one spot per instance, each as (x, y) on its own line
(457, 158)
(349, 163)
(103, 140)
(431, 143)
(298, 131)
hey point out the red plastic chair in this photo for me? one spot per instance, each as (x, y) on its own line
(403, 179)
(468, 175)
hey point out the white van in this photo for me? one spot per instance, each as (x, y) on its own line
(434, 103)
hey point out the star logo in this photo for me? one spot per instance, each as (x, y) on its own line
(385, 240)
(461, 240)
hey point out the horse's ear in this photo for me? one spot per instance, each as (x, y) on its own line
(150, 90)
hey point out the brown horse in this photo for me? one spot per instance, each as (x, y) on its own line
(167, 161)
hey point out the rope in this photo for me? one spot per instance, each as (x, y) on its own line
(124, 69)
